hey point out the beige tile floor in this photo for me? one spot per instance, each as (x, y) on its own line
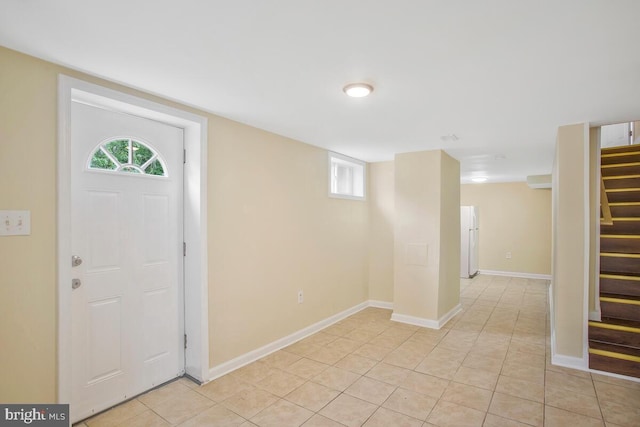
(489, 366)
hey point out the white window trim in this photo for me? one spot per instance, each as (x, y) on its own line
(332, 154)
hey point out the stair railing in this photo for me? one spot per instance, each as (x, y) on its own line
(606, 218)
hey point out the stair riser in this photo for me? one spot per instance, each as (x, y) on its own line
(616, 337)
(621, 170)
(626, 196)
(620, 311)
(625, 211)
(617, 366)
(620, 287)
(621, 227)
(631, 157)
(619, 265)
(629, 246)
(622, 183)
(620, 349)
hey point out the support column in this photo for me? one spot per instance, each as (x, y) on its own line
(426, 238)
(570, 253)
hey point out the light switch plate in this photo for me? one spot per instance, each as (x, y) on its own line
(15, 223)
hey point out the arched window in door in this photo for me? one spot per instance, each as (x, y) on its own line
(127, 155)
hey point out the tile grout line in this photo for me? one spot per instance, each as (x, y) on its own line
(492, 304)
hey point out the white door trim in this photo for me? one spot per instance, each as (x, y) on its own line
(195, 219)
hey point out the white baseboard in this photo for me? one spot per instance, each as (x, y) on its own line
(595, 315)
(579, 363)
(381, 304)
(552, 319)
(455, 310)
(611, 374)
(417, 321)
(242, 360)
(427, 323)
(516, 274)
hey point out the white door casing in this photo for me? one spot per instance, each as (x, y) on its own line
(127, 228)
(195, 213)
(474, 248)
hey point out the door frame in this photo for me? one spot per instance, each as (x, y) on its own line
(196, 319)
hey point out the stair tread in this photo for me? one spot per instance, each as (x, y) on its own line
(619, 254)
(629, 148)
(607, 178)
(625, 218)
(616, 322)
(619, 276)
(632, 298)
(615, 348)
(619, 165)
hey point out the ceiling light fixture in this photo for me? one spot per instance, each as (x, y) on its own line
(358, 90)
(479, 179)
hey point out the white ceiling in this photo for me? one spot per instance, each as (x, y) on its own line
(501, 75)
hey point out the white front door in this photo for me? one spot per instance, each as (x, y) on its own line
(126, 228)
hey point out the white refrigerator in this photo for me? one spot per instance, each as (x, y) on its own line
(468, 241)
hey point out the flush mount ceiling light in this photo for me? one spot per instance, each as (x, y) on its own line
(479, 179)
(358, 90)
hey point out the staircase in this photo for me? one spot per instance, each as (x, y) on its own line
(614, 342)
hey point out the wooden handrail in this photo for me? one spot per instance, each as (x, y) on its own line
(607, 219)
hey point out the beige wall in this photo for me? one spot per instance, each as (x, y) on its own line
(381, 220)
(571, 217)
(272, 231)
(422, 260)
(513, 218)
(27, 263)
(449, 291)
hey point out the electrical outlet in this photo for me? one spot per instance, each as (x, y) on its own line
(508, 255)
(300, 297)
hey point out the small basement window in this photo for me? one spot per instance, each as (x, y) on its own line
(346, 177)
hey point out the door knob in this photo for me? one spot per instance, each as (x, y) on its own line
(76, 261)
(75, 283)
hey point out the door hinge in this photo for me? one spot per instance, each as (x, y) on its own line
(184, 156)
(184, 249)
(185, 341)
